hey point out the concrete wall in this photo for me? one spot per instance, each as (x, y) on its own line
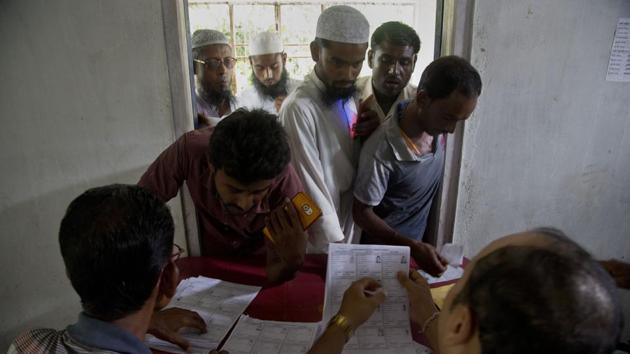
(84, 101)
(549, 143)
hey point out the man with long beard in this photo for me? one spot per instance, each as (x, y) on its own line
(322, 121)
(270, 79)
(213, 64)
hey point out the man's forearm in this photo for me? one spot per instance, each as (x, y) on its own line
(332, 341)
(371, 223)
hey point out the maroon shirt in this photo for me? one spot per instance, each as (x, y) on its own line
(222, 233)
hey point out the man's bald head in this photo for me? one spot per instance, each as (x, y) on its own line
(540, 292)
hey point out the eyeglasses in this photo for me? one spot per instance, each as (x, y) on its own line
(177, 252)
(215, 63)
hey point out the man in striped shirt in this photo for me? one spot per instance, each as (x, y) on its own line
(117, 246)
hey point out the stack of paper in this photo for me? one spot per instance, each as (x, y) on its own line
(218, 302)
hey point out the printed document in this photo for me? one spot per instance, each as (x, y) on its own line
(218, 302)
(388, 330)
(253, 336)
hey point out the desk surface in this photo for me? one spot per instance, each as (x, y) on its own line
(298, 300)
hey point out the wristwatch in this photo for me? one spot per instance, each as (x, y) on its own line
(343, 323)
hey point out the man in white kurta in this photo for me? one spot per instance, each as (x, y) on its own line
(270, 79)
(320, 118)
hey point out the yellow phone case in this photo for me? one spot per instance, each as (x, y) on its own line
(307, 210)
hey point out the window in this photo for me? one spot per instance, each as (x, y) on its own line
(296, 21)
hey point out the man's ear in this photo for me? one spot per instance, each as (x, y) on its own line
(371, 59)
(460, 327)
(315, 51)
(284, 59)
(169, 279)
(422, 98)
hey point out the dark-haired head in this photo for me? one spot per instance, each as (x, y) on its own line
(248, 150)
(249, 146)
(538, 292)
(392, 58)
(115, 242)
(448, 74)
(447, 94)
(396, 33)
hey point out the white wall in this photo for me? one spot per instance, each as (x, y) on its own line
(549, 143)
(84, 101)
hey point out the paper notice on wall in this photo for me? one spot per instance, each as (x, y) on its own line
(619, 64)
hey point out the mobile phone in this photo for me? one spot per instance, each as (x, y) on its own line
(306, 209)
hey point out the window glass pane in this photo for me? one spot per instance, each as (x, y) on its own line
(299, 23)
(242, 73)
(208, 16)
(298, 30)
(295, 50)
(299, 67)
(252, 19)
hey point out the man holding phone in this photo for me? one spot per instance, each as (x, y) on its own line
(240, 179)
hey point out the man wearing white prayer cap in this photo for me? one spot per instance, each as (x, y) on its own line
(270, 79)
(213, 64)
(323, 126)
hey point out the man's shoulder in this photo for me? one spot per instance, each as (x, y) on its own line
(301, 101)
(363, 81)
(305, 90)
(410, 91)
(376, 146)
(364, 86)
(42, 340)
(294, 84)
(286, 185)
(195, 143)
(197, 137)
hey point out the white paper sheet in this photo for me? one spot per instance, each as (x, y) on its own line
(253, 336)
(218, 302)
(388, 330)
(451, 273)
(454, 254)
(619, 64)
(415, 348)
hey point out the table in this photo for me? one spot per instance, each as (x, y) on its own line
(300, 299)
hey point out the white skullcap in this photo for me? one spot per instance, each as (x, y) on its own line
(204, 37)
(265, 43)
(343, 24)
